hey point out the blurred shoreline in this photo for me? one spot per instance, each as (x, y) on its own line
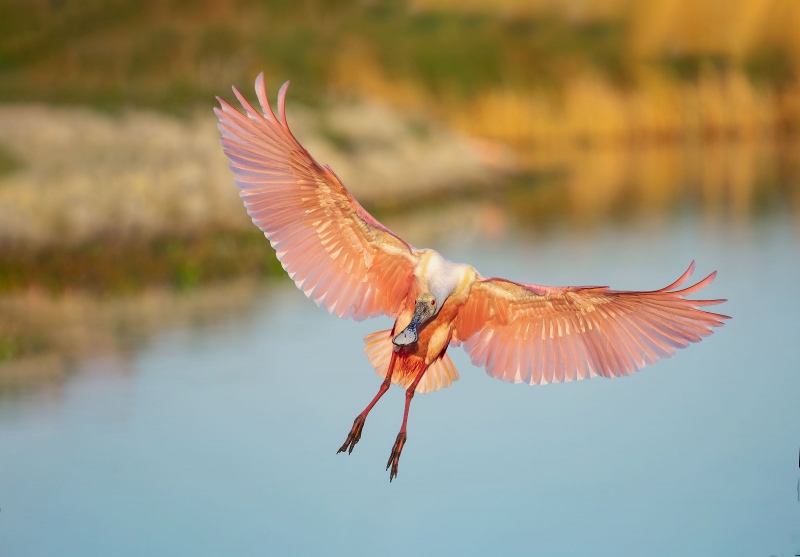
(117, 203)
(477, 119)
(90, 197)
(79, 175)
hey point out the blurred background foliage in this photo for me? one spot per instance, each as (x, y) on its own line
(514, 70)
(502, 114)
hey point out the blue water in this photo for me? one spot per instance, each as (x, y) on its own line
(221, 440)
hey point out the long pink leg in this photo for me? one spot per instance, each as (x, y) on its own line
(358, 424)
(394, 458)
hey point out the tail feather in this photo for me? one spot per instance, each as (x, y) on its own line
(441, 373)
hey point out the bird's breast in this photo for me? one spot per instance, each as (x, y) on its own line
(449, 283)
(434, 335)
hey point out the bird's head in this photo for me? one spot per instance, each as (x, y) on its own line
(424, 309)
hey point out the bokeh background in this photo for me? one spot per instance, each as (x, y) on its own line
(165, 390)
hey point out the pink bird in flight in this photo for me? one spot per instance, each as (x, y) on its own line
(347, 262)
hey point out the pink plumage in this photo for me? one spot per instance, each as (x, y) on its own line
(347, 262)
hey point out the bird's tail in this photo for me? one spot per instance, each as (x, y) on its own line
(378, 347)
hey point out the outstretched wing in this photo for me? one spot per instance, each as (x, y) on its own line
(334, 250)
(537, 334)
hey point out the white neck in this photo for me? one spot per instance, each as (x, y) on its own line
(440, 276)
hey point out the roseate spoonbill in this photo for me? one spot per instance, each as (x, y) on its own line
(346, 261)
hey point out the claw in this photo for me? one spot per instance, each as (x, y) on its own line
(394, 458)
(354, 435)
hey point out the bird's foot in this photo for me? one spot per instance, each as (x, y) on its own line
(354, 435)
(394, 458)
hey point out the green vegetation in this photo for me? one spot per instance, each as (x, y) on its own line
(123, 265)
(8, 162)
(173, 53)
(20, 344)
(524, 74)
(9, 349)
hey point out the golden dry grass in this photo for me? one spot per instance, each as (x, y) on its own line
(735, 28)
(694, 70)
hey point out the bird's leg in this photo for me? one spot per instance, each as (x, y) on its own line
(358, 423)
(394, 458)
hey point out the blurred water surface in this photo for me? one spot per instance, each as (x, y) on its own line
(220, 438)
(160, 396)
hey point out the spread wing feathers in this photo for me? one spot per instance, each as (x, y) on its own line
(441, 373)
(536, 334)
(334, 250)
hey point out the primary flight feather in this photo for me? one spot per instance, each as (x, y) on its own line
(346, 261)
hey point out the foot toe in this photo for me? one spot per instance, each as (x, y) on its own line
(394, 458)
(354, 436)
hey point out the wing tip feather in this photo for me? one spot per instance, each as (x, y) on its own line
(282, 104)
(681, 279)
(697, 286)
(263, 99)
